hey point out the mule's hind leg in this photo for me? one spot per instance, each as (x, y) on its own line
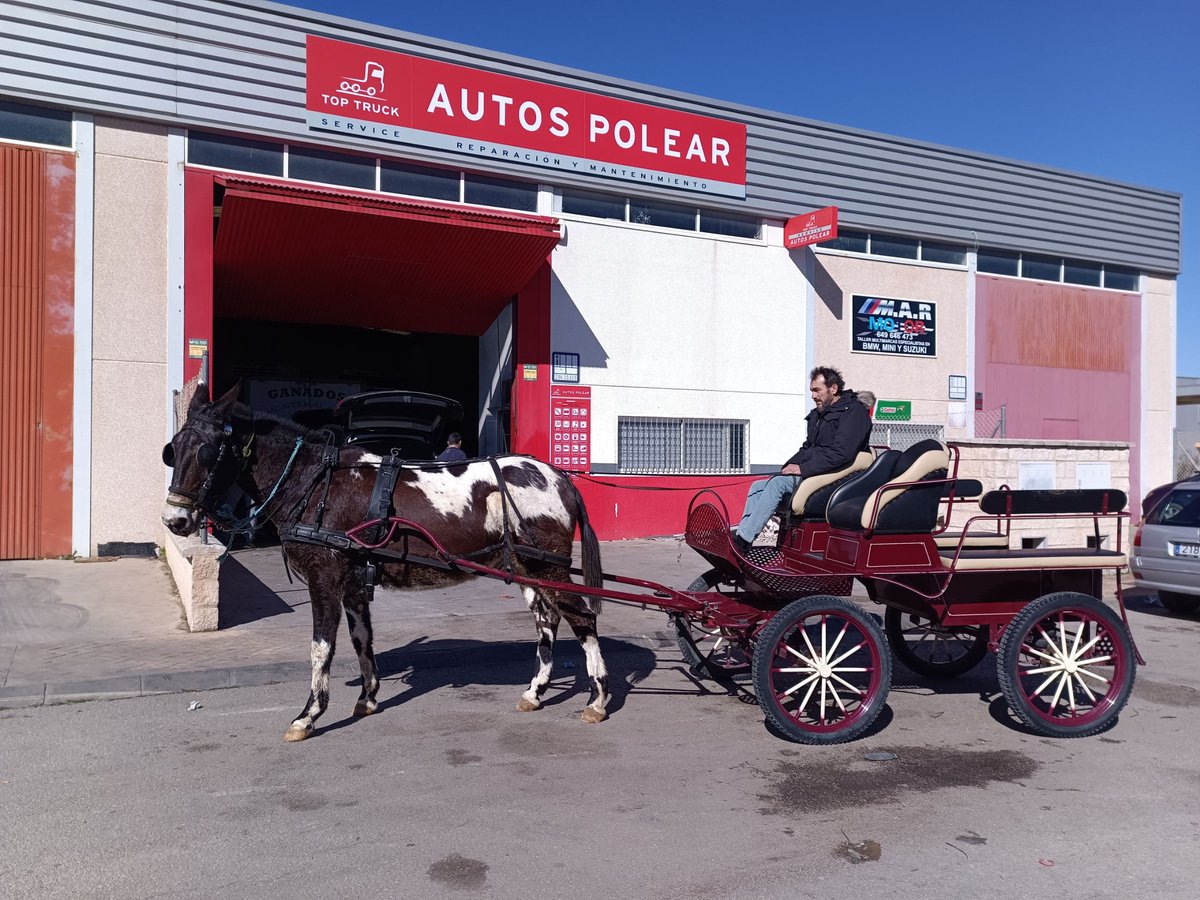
(546, 621)
(581, 616)
(358, 617)
(327, 615)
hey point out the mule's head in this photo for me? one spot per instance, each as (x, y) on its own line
(204, 459)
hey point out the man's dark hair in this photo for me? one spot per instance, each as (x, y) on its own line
(454, 438)
(832, 377)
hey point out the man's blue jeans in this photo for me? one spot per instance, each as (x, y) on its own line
(764, 498)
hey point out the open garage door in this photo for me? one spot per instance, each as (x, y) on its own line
(319, 293)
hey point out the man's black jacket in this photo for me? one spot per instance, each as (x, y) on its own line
(836, 435)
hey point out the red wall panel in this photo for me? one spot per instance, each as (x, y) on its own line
(1063, 360)
(37, 341)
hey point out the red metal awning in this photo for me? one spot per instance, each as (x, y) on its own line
(297, 254)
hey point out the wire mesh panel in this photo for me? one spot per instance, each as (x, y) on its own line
(902, 435)
(991, 423)
(1187, 453)
(667, 446)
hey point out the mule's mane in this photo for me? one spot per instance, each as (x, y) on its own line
(256, 420)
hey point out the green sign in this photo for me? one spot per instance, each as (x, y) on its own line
(893, 410)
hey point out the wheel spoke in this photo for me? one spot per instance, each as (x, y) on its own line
(1026, 648)
(800, 656)
(1091, 674)
(1086, 690)
(848, 653)
(841, 634)
(799, 684)
(1058, 693)
(815, 655)
(804, 703)
(848, 685)
(836, 696)
(1071, 695)
(1041, 687)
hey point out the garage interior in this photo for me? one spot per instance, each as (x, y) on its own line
(319, 293)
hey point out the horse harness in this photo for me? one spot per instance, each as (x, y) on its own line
(367, 542)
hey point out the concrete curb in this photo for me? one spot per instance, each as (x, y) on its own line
(123, 687)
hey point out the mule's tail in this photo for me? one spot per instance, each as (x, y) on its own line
(593, 572)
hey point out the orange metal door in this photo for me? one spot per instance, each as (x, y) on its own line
(37, 316)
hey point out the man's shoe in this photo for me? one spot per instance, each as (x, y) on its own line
(740, 544)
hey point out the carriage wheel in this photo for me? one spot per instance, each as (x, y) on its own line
(1066, 665)
(821, 670)
(933, 650)
(721, 649)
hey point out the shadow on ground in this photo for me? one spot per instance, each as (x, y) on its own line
(499, 671)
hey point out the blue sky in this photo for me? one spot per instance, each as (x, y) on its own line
(1102, 87)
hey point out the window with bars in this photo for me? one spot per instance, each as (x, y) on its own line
(650, 445)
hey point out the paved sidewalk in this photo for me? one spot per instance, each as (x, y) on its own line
(72, 630)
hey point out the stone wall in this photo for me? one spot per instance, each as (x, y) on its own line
(1073, 464)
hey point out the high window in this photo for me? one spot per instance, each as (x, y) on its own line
(659, 214)
(1054, 268)
(35, 124)
(897, 247)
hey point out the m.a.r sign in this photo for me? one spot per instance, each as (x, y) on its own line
(391, 96)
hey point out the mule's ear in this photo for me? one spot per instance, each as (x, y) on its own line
(223, 408)
(199, 398)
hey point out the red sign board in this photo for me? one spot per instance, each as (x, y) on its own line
(571, 427)
(810, 228)
(391, 96)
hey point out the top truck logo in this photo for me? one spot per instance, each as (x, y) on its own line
(370, 84)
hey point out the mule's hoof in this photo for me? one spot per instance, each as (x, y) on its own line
(296, 733)
(527, 705)
(362, 709)
(592, 716)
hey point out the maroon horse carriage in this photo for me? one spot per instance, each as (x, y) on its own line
(819, 662)
(780, 615)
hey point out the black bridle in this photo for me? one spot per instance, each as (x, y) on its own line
(210, 455)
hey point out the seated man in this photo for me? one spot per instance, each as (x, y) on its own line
(839, 428)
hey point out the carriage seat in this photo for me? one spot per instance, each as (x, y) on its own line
(811, 497)
(1036, 558)
(977, 538)
(874, 502)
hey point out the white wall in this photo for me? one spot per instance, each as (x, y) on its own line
(677, 324)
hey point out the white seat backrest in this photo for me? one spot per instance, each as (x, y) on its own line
(929, 461)
(809, 486)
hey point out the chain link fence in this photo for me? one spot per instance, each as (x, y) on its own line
(1187, 453)
(902, 435)
(991, 423)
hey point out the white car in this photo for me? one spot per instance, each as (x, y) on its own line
(1166, 548)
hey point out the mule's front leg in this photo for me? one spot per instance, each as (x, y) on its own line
(546, 621)
(358, 617)
(327, 616)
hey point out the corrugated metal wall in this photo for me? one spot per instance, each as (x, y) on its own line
(36, 342)
(240, 66)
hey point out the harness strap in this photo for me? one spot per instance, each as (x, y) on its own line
(330, 456)
(380, 506)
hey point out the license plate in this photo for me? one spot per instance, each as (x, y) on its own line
(1190, 550)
